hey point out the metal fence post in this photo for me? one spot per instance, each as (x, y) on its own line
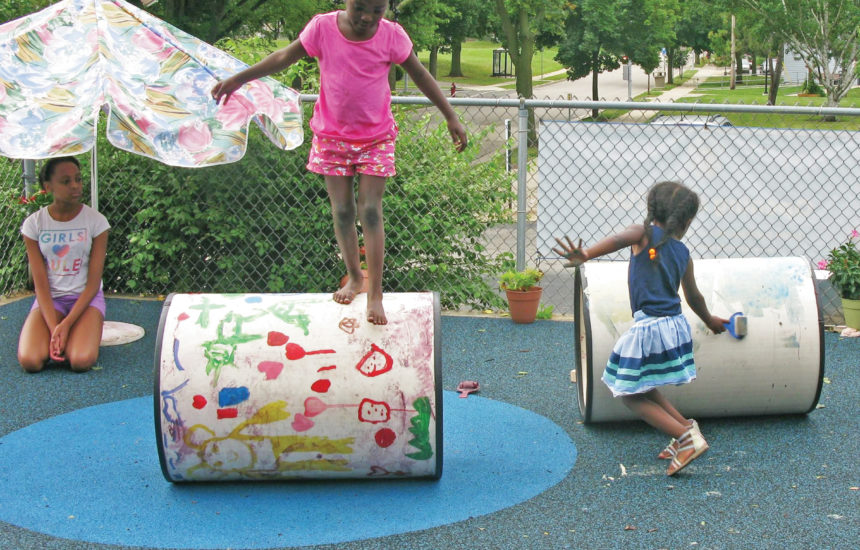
(507, 145)
(29, 172)
(522, 171)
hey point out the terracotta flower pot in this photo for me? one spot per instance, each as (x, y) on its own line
(851, 309)
(523, 304)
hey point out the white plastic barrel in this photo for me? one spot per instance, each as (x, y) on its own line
(286, 386)
(777, 368)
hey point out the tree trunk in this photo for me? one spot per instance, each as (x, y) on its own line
(433, 66)
(739, 63)
(776, 75)
(456, 67)
(670, 53)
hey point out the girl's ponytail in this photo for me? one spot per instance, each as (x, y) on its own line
(674, 206)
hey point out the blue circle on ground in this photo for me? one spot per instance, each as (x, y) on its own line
(93, 475)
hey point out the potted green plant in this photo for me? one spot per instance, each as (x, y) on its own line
(843, 263)
(522, 292)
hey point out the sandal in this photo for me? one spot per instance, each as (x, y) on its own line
(468, 386)
(692, 440)
(672, 447)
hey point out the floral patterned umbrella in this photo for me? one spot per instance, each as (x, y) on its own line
(59, 67)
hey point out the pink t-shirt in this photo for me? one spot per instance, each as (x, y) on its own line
(355, 99)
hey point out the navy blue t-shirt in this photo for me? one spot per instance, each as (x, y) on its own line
(654, 283)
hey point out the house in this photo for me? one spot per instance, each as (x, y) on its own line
(794, 69)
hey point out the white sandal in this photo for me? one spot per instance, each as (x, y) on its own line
(692, 440)
(672, 447)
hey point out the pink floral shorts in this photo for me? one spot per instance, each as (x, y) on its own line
(332, 157)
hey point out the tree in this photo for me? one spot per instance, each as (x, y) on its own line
(599, 33)
(650, 25)
(696, 21)
(211, 20)
(593, 39)
(13, 9)
(523, 23)
(824, 33)
(421, 19)
(466, 18)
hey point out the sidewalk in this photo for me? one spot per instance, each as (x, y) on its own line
(672, 95)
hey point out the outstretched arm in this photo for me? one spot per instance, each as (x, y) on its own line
(697, 302)
(577, 255)
(428, 87)
(275, 62)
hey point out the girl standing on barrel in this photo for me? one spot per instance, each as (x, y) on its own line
(658, 349)
(66, 244)
(354, 130)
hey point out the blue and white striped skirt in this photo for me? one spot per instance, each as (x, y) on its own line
(654, 352)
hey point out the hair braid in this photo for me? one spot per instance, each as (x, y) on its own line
(673, 205)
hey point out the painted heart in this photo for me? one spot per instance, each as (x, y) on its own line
(276, 338)
(302, 423)
(199, 402)
(314, 406)
(321, 386)
(60, 250)
(272, 369)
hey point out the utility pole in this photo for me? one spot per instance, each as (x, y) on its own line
(734, 65)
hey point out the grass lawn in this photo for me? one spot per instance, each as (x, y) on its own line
(476, 62)
(787, 96)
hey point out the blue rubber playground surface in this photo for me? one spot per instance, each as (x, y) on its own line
(79, 467)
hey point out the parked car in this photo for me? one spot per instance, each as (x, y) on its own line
(691, 120)
(745, 65)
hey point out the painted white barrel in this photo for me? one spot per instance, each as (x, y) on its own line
(777, 368)
(287, 386)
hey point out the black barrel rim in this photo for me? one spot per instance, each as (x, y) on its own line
(156, 394)
(582, 329)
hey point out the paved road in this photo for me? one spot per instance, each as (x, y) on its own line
(611, 86)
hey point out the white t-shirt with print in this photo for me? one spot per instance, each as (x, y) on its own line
(65, 246)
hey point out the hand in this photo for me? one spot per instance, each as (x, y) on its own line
(575, 255)
(59, 337)
(458, 134)
(224, 89)
(717, 324)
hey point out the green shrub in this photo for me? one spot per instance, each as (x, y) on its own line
(437, 210)
(264, 224)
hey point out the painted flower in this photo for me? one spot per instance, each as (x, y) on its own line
(265, 101)
(151, 43)
(65, 124)
(235, 112)
(195, 137)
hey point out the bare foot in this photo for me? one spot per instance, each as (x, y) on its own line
(375, 311)
(346, 294)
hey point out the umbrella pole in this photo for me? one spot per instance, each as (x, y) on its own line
(29, 177)
(94, 179)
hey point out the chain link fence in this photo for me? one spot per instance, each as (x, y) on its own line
(454, 222)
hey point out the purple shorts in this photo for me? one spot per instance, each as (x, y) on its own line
(64, 304)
